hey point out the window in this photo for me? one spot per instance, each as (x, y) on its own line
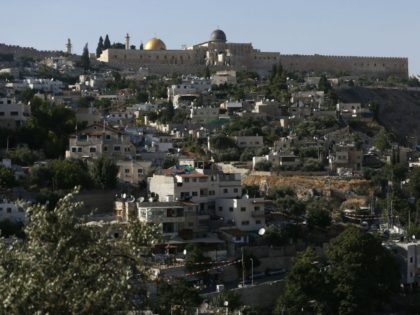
(79, 149)
(411, 259)
(257, 208)
(1, 209)
(127, 170)
(225, 190)
(105, 148)
(108, 137)
(186, 180)
(243, 209)
(211, 193)
(245, 222)
(235, 190)
(1, 113)
(9, 210)
(230, 209)
(73, 149)
(220, 208)
(257, 221)
(140, 171)
(194, 193)
(14, 113)
(117, 148)
(92, 149)
(20, 210)
(194, 180)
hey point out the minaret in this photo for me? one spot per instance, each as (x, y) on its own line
(127, 42)
(68, 46)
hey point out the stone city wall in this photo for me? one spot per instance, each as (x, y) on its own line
(367, 66)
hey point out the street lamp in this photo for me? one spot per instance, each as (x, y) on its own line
(252, 271)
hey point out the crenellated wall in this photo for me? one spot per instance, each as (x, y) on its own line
(368, 66)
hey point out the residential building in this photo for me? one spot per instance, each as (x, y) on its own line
(11, 211)
(198, 183)
(408, 257)
(174, 218)
(97, 140)
(249, 141)
(224, 77)
(245, 213)
(12, 114)
(346, 156)
(133, 171)
(201, 115)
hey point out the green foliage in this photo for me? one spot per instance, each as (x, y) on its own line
(414, 183)
(279, 236)
(318, 217)
(142, 96)
(359, 276)
(170, 161)
(324, 84)
(176, 297)
(67, 267)
(7, 177)
(9, 229)
(363, 272)
(305, 289)
(277, 192)
(382, 140)
(229, 296)
(277, 87)
(104, 173)
(222, 142)
(263, 166)
(195, 259)
(85, 59)
(107, 42)
(312, 165)
(291, 206)
(251, 190)
(60, 174)
(23, 156)
(100, 47)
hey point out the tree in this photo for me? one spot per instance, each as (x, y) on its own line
(107, 42)
(263, 166)
(306, 287)
(195, 259)
(85, 59)
(233, 299)
(324, 84)
(358, 276)
(67, 267)
(414, 182)
(382, 140)
(23, 156)
(100, 47)
(104, 173)
(176, 297)
(318, 217)
(7, 177)
(363, 272)
(69, 173)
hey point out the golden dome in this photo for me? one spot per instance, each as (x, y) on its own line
(155, 44)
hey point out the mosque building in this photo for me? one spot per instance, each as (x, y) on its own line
(219, 54)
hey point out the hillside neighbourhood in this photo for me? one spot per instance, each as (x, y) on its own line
(229, 190)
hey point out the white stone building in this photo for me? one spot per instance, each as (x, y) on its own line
(246, 214)
(11, 211)
(12, 114)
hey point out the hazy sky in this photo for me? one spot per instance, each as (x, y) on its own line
(351, 27)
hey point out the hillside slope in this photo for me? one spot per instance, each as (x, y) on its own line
(399, 110)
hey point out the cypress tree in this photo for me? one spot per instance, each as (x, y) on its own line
(100, 47)
(107, 42)
(85, 60)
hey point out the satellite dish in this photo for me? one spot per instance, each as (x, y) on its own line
(261, 231)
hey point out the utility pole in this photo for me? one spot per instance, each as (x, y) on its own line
(243, 267)
(252, 271)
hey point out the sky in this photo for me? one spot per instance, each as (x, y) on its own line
(330, 27)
